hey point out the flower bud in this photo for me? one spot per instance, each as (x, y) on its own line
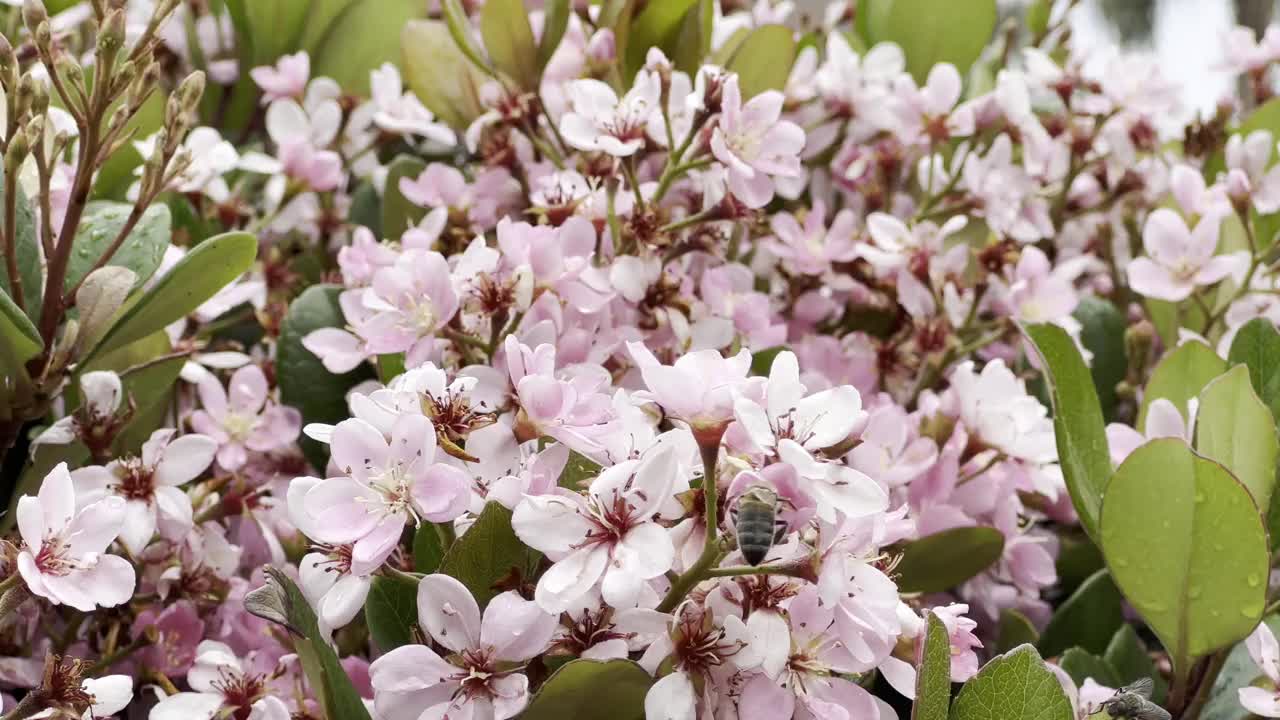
(26, 94)
(191, 90)
(18, 150)
(35, 130)
(111, 37)
(34, 13)
(68, 69)
(44, 37)
(8, 64)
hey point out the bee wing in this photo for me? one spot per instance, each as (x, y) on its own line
(1151, 711)
(1141, 687)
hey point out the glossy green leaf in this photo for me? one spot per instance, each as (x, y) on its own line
(936, 31)
(763, 60)
(943, 560)
(148, 371)
(871, 20)
(591, 690)
(361, 42)
(1185, 544)
(391, 611)
(17, 333)
(1078, 559)
(762, 362)
(1087, 619)
(276, 27)
(579, 471)
(933, 681)
(439, 73)
(321, 22)
(304, 382)
(30, 270)
(1015, 629)
(1257, 346)
(208, 268)
(1181, 374)
(1077, 421)
(1081, 664)
(1238, 671)
(1236, 429)
(652, 27)
(398, 212)
(280, 601)
(1013, 686)
(504, 25)
(490, 554)
(1102, 334)
(1037, 17)
(428, 549)
(555, 22)
(141, 251)
(693, 38)
(1127, 656)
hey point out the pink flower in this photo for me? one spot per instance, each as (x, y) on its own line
(149, 486)
(754, 142)
(108, 695)
(63, 557)
(401, 112)
(241, 418)
(286, 79)
(599, 121)
(387, 483)
(698, 389)
(178, 630)
(568, 405)
(964, 661)
(412, 681)
(1163, 420)
(1181, 259)
(1264, 650)
(811, 248)
(609, 534)
(482, 201)
(219, 681)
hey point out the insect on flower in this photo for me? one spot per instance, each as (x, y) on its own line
(1134, 703)
(755, 517)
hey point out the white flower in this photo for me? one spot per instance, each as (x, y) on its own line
(402, 112)
(599, 121)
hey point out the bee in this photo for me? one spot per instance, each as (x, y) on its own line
(1133, 702)
(755, 518)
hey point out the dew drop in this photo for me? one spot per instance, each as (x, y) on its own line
(1194, 592)
(1253, 580)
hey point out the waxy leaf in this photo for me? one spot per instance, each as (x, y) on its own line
(304, 382)
(428, 549)
(1015, 629)
(391, 611)
(1087, 619)
(19, 342)
(1206, 585)
(504, 25)
(362, 40)
(398, 212)
(142, 250)
(1127, 656)
(1236, 429)
(591, 690)
(1257, 346)
(1013, 686)
(1081, 664)
(579, 471)
(208, 268)
(439, 73)
(555, 22)
(653, 26)
(1077, 422)
(1102, 333)
(281, 602)
(937, 31)
(763, 60)
(1181, 374)
(490, 554)
(933, 681)
(943, 560)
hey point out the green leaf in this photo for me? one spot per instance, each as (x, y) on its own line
(657, 23)
(455, 18)
(27, 252)
(1257, 346)
(1236, 429)
(275, 27)
(1181, 374)
(1238, 671)
(1127, 655)
(1102, 333)
(1015, 629)
(762, 362)
(428, 550)
(141, 251)
(208, 268)
(555, 22)
(148, 372)
(280, 601)
(1263, 117)
(1037, 16)
(943, 560)
(693, 40)
(304, 382)
(1013, 686)
(1078, 559)
(933, 682)
(936, 31)
(1081, 665)
(578, 471)
(17, 333)
(1185, 544)
(366, 208)
(398, 213)
(763, 60)
(872, 20)
(390, 366)
(1077, 422)
(488, 553)
(504, 25)
(321, 22)
(391, 611)
(439, 73)
(360, 42)
(591, 690)
(1087, 619)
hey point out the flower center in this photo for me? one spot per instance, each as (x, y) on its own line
(240, 691)
(54, 557)
(238, 425)
(137, 481)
